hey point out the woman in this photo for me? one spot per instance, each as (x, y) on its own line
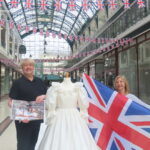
(121, 86)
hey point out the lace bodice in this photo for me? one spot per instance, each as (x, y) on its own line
(66, 95)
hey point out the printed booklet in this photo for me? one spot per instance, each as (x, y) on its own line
(27, 110)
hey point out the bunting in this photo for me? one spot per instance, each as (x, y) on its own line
(72, 4)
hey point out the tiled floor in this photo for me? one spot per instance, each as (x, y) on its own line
(4, 109)
(8, 138)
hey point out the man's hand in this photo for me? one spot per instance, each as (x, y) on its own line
(40, 98)
(25, 121)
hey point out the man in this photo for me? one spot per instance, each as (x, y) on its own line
(28, 88)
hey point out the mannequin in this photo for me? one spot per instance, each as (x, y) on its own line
(67, 75)
(67, 127)
(67, 79)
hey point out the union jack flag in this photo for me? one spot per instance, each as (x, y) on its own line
(27, 28)
(72, 5)
(116, 122)
(1, 1)
(112, 4)
(47, 33)
(58, 5)
(43, 5)
(126, 4)
(14, 3)
(34, 30)
(11, 24)
(2, 22)
(85, 5)
(41, 32)
(28, 3)
(141, 3)
(19, 27)
(100, 4)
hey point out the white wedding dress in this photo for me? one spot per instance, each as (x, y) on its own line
(67, 126)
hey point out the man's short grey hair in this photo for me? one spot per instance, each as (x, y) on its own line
(26, 61)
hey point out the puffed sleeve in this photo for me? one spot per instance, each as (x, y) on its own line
(83, 103)
(50, 103)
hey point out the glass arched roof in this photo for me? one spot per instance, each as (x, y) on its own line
(40, 47)
(64, 21)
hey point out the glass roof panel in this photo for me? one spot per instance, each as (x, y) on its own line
(54, 46)
(65, 19)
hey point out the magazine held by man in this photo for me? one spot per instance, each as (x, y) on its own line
(27, 110)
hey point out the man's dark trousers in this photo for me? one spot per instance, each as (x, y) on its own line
(27, 134)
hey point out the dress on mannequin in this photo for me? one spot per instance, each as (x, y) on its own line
(67, 126)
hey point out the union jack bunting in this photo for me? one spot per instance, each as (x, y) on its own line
(116, 122)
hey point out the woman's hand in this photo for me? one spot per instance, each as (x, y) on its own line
(40, 98)
(10, 102)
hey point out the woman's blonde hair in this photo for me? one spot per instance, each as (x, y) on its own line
(27, 60)
(127, 90)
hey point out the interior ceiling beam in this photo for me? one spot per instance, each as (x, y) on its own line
(75, 20)
(12, 17)
(52, 14)
(36, 13)
(64, 17)
(24, 13)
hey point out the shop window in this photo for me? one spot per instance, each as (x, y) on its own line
(96, 21)
(92, 69)
(89, 29)
(3, 40)
(10, 45)
(2, 84)
(144, 71)
(128, 67)
(109, 70)
(85, 69)
(123, 59)
(146, 51)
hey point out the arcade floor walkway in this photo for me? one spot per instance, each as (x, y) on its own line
(8, 137)
(7, 128)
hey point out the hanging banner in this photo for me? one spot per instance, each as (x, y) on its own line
(80, 55)
(54, 35)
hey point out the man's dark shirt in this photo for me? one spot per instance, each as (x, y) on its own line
(24, 89)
